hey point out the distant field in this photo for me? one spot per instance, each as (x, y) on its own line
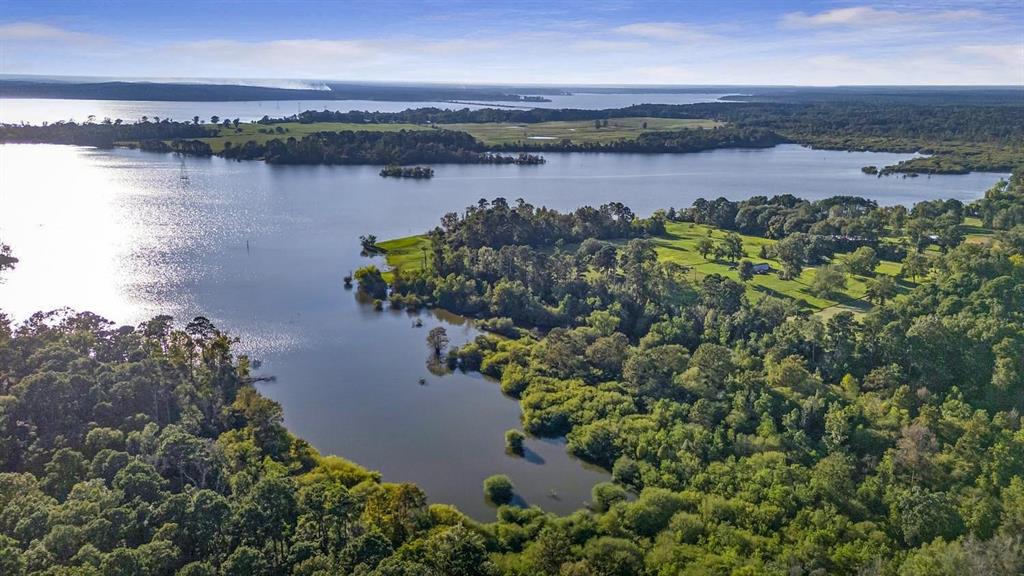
(247, 132)
(491, 133)
(579, 132)
(679, 245)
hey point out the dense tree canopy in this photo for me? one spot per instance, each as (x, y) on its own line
(146, 450)
(759, 439)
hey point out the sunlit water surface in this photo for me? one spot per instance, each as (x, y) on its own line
(261, 250)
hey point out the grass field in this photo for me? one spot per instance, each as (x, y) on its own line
(406, 253)
(491, 133)
(679, 245)
(247, 132)
(579, 132)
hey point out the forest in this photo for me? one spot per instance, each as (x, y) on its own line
(368, 147)
(955, 137)
(103, 134)
(961, 135)
(743, 435)
(758, 439)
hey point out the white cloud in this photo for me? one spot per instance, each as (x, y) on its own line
(34, 32)
(859, 45)
(610, 45)
(1009, 54)
(860, 16)
(665, 31)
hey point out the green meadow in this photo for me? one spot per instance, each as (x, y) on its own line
(489, 133)
(579, 132)
(679, 245)
(265, 132)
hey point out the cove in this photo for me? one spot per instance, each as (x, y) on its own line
(261, 250)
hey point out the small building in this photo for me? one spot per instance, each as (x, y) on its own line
(762, 268)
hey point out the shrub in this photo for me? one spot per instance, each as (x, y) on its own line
(514, 441)
(499, 489)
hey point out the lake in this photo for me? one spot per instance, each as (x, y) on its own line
(39, 110)
(261, 250)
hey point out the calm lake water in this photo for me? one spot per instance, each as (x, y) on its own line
(261, 250)
(38, 110)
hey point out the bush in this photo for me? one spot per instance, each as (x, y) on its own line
(371, 282)
(499, 489)
(514, 441)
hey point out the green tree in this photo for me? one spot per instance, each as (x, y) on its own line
(610, 556)
(371, 282)
(365, 552)
(604, 495)
(862, 261)
(732, 246)
(549, 551)
(880, 289)
(829, 281)
(746, 270)
(244, 561)
(11, 560)
(514, 441)
(437, 340)
(704, 247)
(499, 489)
(916, 265)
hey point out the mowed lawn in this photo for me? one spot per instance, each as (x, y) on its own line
(579, 132)
(247, 132)
(405, 253)
(679, 245)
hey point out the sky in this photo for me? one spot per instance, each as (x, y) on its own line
(610, 42)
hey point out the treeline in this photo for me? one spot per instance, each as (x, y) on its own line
(497, 223)
(694, 140)
(369, 147)
(1002, 208)
(190, 147)
(184, 92)
(147, 450)
(818, 122)
(440, 116)
(759, 439)
(849, 220)
(497, 259)
(961, 137)
(100, 134)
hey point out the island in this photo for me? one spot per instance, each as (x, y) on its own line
(414, 172)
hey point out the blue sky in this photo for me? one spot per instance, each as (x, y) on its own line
(550, 42)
